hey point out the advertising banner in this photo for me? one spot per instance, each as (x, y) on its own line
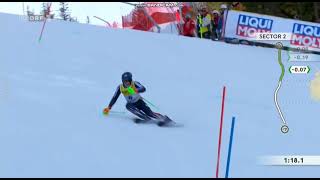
(245, 26)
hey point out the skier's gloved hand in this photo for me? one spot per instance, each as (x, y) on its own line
(136, 90)
(106, 110)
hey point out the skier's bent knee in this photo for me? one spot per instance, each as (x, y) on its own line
(130, 106)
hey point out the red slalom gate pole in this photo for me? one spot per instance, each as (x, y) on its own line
(220, 133)
(45, 20)
(42, 29)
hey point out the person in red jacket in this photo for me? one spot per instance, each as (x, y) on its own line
(189, 26)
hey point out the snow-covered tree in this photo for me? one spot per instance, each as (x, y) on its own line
(64, 11)
(29, 13)
(45, 9)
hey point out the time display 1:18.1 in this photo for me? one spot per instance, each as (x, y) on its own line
(293, 160)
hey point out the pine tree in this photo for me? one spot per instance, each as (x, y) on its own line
(64, 11)
(45, 9)
(29, 13)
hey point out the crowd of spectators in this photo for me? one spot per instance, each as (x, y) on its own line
(207, 24)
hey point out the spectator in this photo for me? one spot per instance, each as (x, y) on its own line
(214, 22)
(198, 26)
(223, 10)
(189, 26)
(204, 23)
(238, 6)
(177, 16)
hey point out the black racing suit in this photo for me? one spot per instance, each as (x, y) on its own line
(137, 107)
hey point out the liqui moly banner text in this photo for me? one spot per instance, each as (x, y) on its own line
(305, 35)
(244, 25)
(248, 26)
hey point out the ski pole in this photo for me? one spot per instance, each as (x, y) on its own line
(131, 91)
(200, 23)
(151, 104)
(117, 112)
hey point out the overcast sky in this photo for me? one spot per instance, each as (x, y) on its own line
(110, 11)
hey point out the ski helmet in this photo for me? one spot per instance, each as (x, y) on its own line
(223, 6)
(127, 76)
(216, 12)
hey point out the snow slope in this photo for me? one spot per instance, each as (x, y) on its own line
(52, 94)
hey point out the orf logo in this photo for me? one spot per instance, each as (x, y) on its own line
(305, 35)
(248, 26)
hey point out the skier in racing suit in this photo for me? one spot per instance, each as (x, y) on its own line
(131, 91)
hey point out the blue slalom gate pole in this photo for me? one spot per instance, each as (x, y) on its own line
(230, 147)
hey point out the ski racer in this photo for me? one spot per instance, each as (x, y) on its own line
(135, 104)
